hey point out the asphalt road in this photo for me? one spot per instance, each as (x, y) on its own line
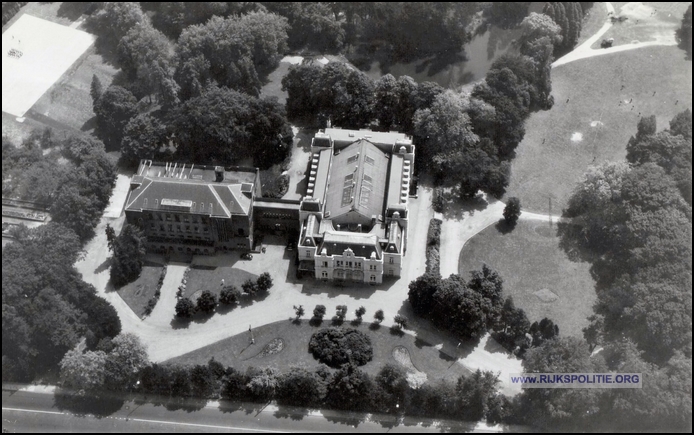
(24, 411)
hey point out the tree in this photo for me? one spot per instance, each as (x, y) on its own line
(360, 312)
(378, 316)
(512, 211)
(110, 236)
(299, 387)
(400, 320)
(474, 393)
(128, 255)
(569, 16)
(684, 33)
(229, 295)
(125, 361)
(145, 57)
(311, 25)
(83, 371)
(203, 381)
(143, 137)
(185, 307)
(543, 331)
(115, 19)
(337, 346)
(341, 311)
(512, 328)
(232, 126)
(207, 302)
(262, 383)
(349, 388)
(113, 111)
(249, 287)
(421, 293)
(230, 51)
(96, 89)
(319, 312)
(299, 311)
(264, 282)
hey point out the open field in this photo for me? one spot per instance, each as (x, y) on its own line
(237, 352)
(592, 22)
(210, 278)
(647, 21)
(137, 293)
(598, 119)
(529, 260)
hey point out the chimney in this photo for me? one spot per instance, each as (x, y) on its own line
(219, 174)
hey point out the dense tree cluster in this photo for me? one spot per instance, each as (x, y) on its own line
(347, 388)
(10, 9)
(76, 188)
(115, 365)
(222, 126)
(230, 52)
(46, 307)
(633, 221)
(312, 25)
(569, 16)
(172, 17)
(466, 309)
(334, 92)
(684, 33)
(337, 346)
(128, 255)
(114, 108)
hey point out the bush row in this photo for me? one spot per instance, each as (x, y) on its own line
(433, 243)
(152, 302)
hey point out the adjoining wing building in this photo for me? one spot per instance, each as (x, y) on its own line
(354, 215)
(193, 209)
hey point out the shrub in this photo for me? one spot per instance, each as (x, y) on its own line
(264, 282)
(378, 316)
(206, 302)
(434, 232)
(249, 287)
(319, 311)
(341, 311)
(230, 295)
(433, 262)
(400, 320)
(337, 346)
(184, 307)
(437, 201)
(360, 312)
(512, 211)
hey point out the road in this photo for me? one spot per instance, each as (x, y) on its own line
(44, 411)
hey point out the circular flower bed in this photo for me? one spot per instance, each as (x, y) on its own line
(273, 347)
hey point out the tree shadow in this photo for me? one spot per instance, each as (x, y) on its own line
(185, 404)
(226, 308)
(572, 241)
(375, 326)
(291, 412)
(89, 124)
(356, 322)
(504, 227)
(180, 323)
(443, 60)
(88, 404)
(104, 266)
(315, 321)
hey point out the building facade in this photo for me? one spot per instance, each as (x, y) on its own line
(354, 216)
(193, 209)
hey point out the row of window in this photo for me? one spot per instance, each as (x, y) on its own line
(173, 217)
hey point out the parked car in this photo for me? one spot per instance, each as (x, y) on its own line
(290, 246)
(247, 256)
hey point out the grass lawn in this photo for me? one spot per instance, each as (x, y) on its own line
(529, 259)
(592, 22)
(594, 87)
(237, 352)
(273, 85)
(204, 278)
(137, 293)
(647, 21)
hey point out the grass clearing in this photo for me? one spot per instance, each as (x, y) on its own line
(649, 21)
(530, 260)
(593, 86)
(237, 352)
(592, 21)
(137, 293)
(210, 278)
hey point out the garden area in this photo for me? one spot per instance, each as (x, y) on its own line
(210, 278)
(286, 343)
(598, 102)
(138, 293)
(539, 276)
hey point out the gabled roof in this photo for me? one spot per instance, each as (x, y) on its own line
(357, 181)
(362, 244)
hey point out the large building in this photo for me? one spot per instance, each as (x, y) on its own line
(193, 209)
(354, 215)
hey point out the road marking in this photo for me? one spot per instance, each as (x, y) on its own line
(207, 425)
(211, 426)
(33, 410)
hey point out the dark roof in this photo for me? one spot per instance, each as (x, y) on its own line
(202, 195)
(362, 244)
